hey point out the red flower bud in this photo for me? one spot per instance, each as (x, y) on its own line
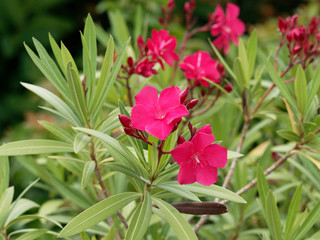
(140, 43)
(125, 121)
(184, 95)
(187, 7)
(228, 88)
(180, 140)
(129, 131)
(160, 19)
(130, 61)
(192, 103)
(282, 25)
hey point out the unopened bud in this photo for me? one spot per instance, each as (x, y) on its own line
(203, 92)
(192, 103)
(129, 131)
(130, 61)
(180, 140)
(228, 88)
(184, 95)
(140, 42)
(160, 19)
(125, 121)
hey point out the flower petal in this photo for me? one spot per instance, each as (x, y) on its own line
(215, 155)
(148, 97)
(159, 129)
(169, 98)
(187, 173)
(202, 140)
(206, 129)
(232, 11)
(207, 175)
(175, 113)
(141, 117)
(182, 153)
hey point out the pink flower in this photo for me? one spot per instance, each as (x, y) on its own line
(157, 115)
(145, 68)
(199, 66)
(162, 46)
(226, 27)
(199, 158)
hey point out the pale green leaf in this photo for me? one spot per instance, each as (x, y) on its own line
(179, 225)
(4, 174)
(140, 220)
(88, 170)
(252, 51)
(35, 146)
(289, 135)
(5, 202)
(273, 217)
(263, 187)
(20, 207)
(179, 190)
(35, 234)
(300, 87)
(57, 53)
(118, 26)
(232, 155)
(81, 141)
(97, 213)
(57, 131)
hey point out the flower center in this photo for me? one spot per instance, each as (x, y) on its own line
(227, 29)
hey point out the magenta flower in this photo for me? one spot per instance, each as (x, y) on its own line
(157, 115)
(199, 66)
(226, 27)
(162, 46)
(199, 158)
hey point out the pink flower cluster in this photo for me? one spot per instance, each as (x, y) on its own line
(226, 27)
(159, 48)
(201, 67)
(199, 158)
(302, 42)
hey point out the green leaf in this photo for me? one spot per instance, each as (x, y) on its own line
(56, 130)
(123, 169)
(263, 187)
(289, 135)
(179, 225)
(244, 63)
(215, 191)
(100, 93)
(77, 93)
(97, 213)
(313, 88)
(4, 174)
(273, 217)
(140, 220)
(118, 26)
(292, 212)
(232, 155)
(21, 206)
(240, 78)
(57, 53)
(179, 190)
(49, 69)
(84, 236)
(88, 169)
(308, 223)
(5, 202)
(23, 218)
(279, 83)
(34, 234)
(66, 58)
(63, 109)
(90, 39)
(252, 51)
(81, 140)
(138, 23)
(87, 69)
(35, 146)
(300, 87)
(221, 59)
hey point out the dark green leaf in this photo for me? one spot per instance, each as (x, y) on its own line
(273, 217)
(300, 87)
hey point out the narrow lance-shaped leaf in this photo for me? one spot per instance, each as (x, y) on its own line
(77, 93)
(97, 213)
(88, 170)
(243, 60)
(87, 69)
(140, 220)
(119, 26)
(90, 38)
(5, 202)
(314, 88)
(57, 53)
(179, 225)
(62, 108)
(57, 131)
(273, 217)
(292, 212)
(300, 87)
(4, 174)
(263, 187)
(34, 234)
(35, 146)
(179, 190)
(252, 51)
(80, 142)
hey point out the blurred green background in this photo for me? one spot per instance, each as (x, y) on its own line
(20, 20)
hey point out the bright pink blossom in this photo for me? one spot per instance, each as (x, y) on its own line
(226, 27)
(199, 158)
(157, 115)
(161, 47)
(200, 66)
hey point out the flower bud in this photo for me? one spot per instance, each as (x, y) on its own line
(184, 95)
(130, 61)
(129, 131)
(228, 88)
(140, 43)
(160, 19)
(192, 103)
(125, 121)
(180, 140)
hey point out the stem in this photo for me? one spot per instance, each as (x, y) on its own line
(208, 107)
(104, 189)
(4, 233)
(129, 92)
